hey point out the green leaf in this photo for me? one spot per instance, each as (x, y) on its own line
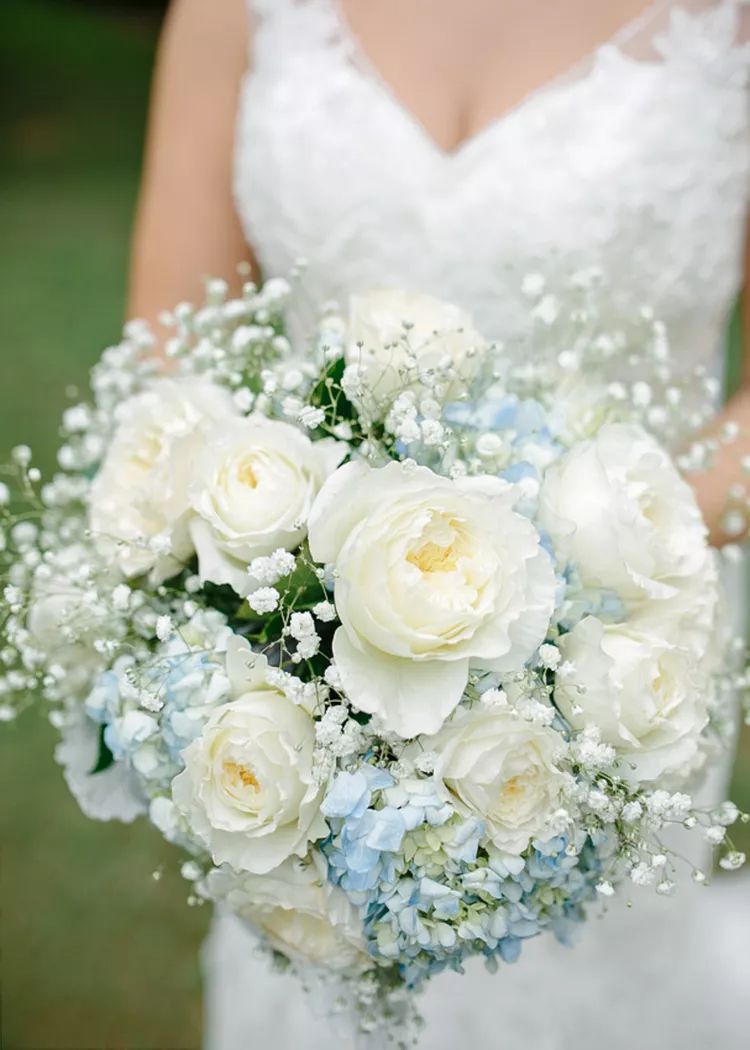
(105, 758)
(328, 395)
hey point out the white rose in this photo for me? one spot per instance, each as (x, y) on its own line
(252, 489)
(440, 336)
(248, 789)
(616, 507)
(493, 764)
(433, 576)
(299, 912)
(647, 697)
(140, 492)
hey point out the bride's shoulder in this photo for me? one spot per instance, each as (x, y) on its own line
(208, 26)
(705, 36)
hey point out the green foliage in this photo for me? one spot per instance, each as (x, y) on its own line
(104, 758)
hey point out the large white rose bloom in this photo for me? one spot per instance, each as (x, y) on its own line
(433, 576)
(252, 488)
(647, 696)
(300, 913)
(140, 492)
(248, 790)
(498, 766)
(440, 336)
(616, 507)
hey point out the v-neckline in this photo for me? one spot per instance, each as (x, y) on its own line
(574, 73)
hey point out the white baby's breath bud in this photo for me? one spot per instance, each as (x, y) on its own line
(549, 656)
(21, 455)
(121, 597)
(546, 310)
(494, 698)
(161, 543)
(343, 431)
(24, 534)
(489, 445)
(533, 285)
(273, 567)
(617, 391)
(66, 457)
(243, 399)
(164, 628)
(77, 418)
(605, 888)
(734, 523)
(353, 381)
(292, 379)
(732, 861)
(264, 600)
(324, 611)
(332, 676)
(726, 814)
(311, 417)
(714, 835)
(430, 408)
(433, 432)
(4, 494)
(426, 762)
(642, 874)
(291, 406)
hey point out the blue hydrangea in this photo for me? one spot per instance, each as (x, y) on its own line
(150, 719)
(431, 891)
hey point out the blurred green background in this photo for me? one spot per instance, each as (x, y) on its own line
(94, 952)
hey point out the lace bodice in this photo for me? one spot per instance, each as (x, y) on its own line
(637, 160)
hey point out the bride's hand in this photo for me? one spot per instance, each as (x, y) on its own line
(723, 490)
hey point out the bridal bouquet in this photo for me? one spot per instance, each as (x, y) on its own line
(412, 642)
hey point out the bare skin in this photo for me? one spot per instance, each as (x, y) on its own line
(454, 67)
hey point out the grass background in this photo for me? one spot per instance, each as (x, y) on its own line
(94, 952)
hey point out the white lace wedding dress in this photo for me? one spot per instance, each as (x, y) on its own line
(637, 160)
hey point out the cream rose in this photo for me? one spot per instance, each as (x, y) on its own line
(140, 492)
(616, 507)
(298, 911)
(647, 696)
(439, 336)
(248, 789)
(252, 489)
(495, 765)
(433, 576)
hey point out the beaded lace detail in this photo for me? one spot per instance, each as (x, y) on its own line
(636, 160)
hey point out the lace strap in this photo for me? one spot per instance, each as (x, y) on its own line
(700, 28)
(260, 8)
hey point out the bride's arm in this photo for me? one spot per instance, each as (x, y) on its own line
(714, 487)
(186, 226)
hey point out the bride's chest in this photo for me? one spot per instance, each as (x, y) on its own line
(640, 165)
